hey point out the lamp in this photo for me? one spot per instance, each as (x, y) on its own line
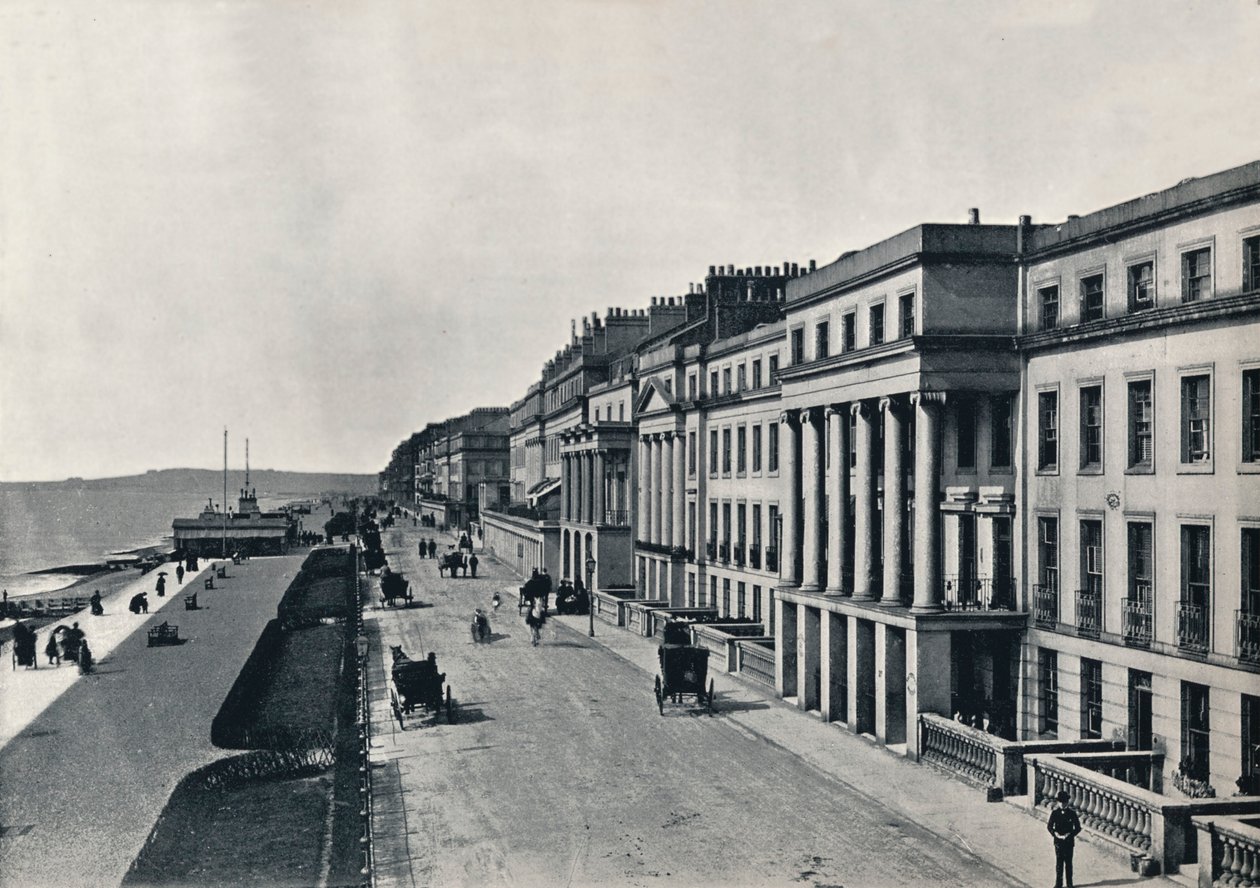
(590, 593)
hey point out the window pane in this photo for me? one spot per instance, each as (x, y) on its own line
(1049, 301)
(1141, 415)
(1196, 275)
(1091, 298)
(1196, 410)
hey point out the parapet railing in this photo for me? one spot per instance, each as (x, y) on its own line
(755, 660)
(1229, 851)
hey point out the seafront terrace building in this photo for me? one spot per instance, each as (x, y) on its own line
(467, 451)
(897, 576)
(1140, 331)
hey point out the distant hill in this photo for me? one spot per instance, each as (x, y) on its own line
(268, 482)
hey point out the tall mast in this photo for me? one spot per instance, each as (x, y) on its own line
(225, 443)
(247, 466)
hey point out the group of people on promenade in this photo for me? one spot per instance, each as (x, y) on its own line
(64, 643)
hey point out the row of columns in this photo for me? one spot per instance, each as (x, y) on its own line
(582, 484)
(806, 502)
(662, 487)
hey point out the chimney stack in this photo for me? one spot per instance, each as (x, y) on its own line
(1025, 221)
(813, 266)
(973, 216)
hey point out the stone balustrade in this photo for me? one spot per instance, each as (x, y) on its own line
(960, 748)
(1229, 852)
(1107, 807)
(755, 660)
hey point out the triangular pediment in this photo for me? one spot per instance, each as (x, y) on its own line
(653, 397)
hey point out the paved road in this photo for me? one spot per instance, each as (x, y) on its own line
(83, 783)
(561, 772)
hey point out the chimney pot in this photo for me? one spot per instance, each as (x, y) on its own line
(730, 269)
(973, 216)
(712, 270)
(758, 271)
(813, 266)
(1025, 220)
(1072, 217)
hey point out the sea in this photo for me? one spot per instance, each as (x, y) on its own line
(48, 526)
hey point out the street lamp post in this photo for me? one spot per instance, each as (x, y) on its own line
(590, 594)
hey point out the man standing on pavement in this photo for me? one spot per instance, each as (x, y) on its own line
(472, 564)
(1064, 825)
(545, 584)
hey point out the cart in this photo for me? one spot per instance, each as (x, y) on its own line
(395, 587)
(684, 671)
(417, 683)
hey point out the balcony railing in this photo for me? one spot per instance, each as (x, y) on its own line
(738, 554)
(617, 517)
(724, 551)
(1247, 637)
(1046, 606)
(1138, 622)
(710, 550)
(772, 558)
(1192, 628)
(1088, 612)
(979, 593)
(754, 555)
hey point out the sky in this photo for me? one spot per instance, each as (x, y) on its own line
(323, 225)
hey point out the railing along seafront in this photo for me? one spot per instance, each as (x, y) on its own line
(1229, 852)
(364, 718)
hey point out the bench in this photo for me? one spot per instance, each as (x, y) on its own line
(209, 582)
(190, 602)
(163, 633)
(221, 572)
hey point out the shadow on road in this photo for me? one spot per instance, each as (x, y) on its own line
(733, 706)
(469, 715)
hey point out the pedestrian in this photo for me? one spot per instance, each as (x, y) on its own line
(161, 586)
(422, 549)
(433, 548)
(534, 620)
(545, 588)
(139, 603)
(24, 645)
(51, 651)
(1064, 826)
(97, 608)
(179, 573)
(472, 564)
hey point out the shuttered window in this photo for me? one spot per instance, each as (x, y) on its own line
(1251, 416)
(1141, 560)
(1196, 419)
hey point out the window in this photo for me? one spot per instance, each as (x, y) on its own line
(772, 447)
(1000, 432)
(1091, 298)
(741, 594)
(726, 451)
(712, 592)
(756, 524)
(741, 526)
(1091, 699)
(741, 449)
(1092, 557)
(1142, 286)
(621, 411)
(1091, 427)
(756, 374)
(822, 340)
(692, 387)
(691, 527)
(1251, 266)
(966, 417)
(756, 448)
(669, 385)
(1251, 416)
(691, 453)
(1048, 553)
(906, 303)
(773, 368)
(713, 527)
(798, 345)
(847, 329)
(713, 384)
(1138, 615)
(1047, 431)
(1251, 584)
(713, 452)
(1196, 419)
(1194, 612)
(726, 380)
(877, 324)
(1250, 784)
(1196, 274)
(741, 378)
(691, 590)
(1195, 731)
(597, 414)
(1048, 299)
(756, 604)
(770, 607)
(1048, 673)
(1141, 425)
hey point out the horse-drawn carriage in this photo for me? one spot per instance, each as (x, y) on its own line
(451, 561)
(684, 669)
(417, 683)
(395, 587)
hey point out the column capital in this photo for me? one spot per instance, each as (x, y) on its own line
(928, 400)
(861, 409)
(811, 415)
(788, 417)
(668, 436)
(891, 405)
(835, 410)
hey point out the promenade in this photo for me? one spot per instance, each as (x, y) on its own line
(88, 762)
(559, 771)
